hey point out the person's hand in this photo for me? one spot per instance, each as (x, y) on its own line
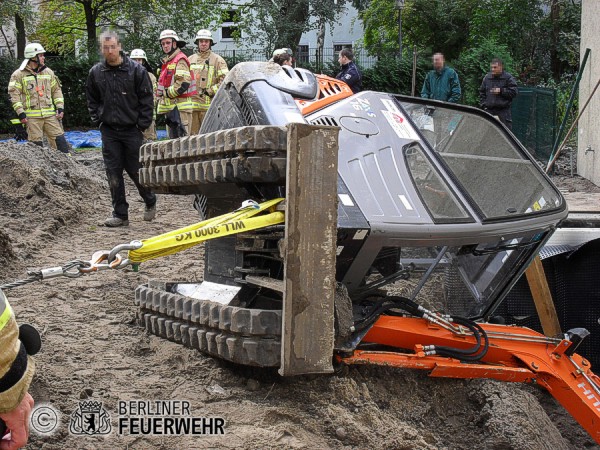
(17, 422)
(23, 117)
(60, 113)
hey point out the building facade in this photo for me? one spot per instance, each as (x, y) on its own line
(346, 32)
(588, 148)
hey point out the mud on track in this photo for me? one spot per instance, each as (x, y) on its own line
(51, 211)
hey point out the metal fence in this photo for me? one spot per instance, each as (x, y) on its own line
(310, 58)
(534, 119)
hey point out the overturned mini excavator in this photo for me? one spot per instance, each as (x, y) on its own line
(374, 189)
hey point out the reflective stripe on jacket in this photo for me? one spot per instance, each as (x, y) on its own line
(16, 368)
(174, 72)
(35, 94)
(210, 70)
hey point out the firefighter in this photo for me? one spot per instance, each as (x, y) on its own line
(139, 56)
(209, 71)
(37, 98)
(176, 85)
(16, 372)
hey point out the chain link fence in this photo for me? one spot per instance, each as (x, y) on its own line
(534, 119)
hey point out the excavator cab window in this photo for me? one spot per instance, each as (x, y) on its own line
(483, 158)
(442, 204)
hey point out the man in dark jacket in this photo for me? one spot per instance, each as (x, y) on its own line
(120, 101)
(497, 92)
(350, 73)
(442, 82)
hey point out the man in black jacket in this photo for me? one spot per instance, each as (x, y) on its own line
(350, 73)
(497, 92)
(120, 101)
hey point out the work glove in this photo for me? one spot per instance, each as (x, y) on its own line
(20, 130)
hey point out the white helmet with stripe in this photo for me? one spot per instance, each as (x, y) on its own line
(138, 53)
(166, 34)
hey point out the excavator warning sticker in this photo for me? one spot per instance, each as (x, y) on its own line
(398, 121)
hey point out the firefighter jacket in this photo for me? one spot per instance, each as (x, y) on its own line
(176, 83)
(16, 368)
(154, 83)
(120, 96)
(35, 93)
(209, 70)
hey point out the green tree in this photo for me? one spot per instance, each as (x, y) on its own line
(20, 14)
(140, 22)
(281, 23)
(474, 63)
(431, 25)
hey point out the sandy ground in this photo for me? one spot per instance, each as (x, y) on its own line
(51, 211)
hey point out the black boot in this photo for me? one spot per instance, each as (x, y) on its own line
(62, 144)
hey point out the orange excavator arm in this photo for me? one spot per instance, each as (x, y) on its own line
(500, 352)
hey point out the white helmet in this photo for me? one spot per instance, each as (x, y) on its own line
(166, 34)
(204, 34)
(34, 49)
(281, 51)
(138, 53)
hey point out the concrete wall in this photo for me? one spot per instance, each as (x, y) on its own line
(588, 163)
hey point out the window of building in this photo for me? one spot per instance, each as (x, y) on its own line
(229, 27)
(302, 53)
(338, 47)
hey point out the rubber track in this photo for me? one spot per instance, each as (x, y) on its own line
(252, 154)
(240, 335)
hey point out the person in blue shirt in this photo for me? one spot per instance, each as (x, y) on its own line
(350, 73)
(442, 82)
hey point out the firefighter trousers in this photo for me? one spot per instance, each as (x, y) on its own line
(39, 126)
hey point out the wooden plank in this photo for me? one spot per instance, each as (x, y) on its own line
(542, 298)
(582, 201)
(266, 282)
(310, 237)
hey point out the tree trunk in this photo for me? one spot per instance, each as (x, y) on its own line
(91, 15)
(20, 32)
(8, 44)
(292, 23)
(555, 65)
(320, 44)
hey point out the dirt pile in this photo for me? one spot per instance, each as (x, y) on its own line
(41, 191)
(93, 349)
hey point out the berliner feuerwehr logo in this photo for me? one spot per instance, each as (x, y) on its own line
(90, 418)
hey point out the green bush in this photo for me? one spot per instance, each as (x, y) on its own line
(7, 67)
(474, 63)
(73, 74)
(389, 74)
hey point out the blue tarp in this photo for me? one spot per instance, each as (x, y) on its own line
(92, 138)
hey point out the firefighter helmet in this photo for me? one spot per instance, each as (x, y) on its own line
(138, 53)
(32, 50)
(166, 34)
(204, 34)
